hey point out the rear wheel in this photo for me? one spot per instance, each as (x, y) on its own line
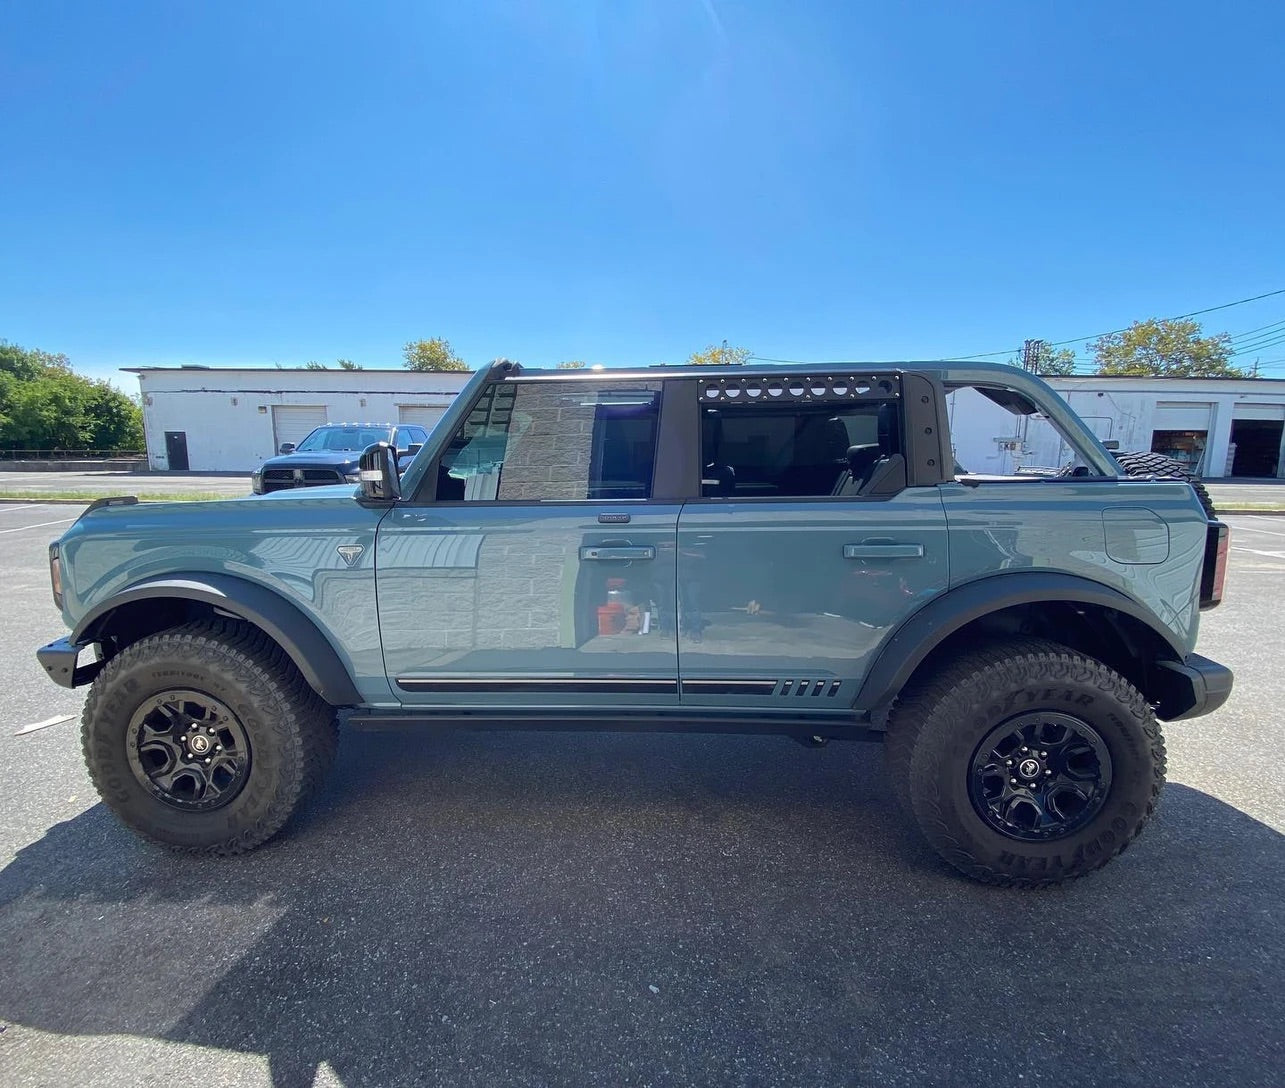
(205, 738)
(1032, 763)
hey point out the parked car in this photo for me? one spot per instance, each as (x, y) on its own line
(720, 549)
(330, 453)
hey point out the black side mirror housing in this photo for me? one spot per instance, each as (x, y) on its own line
(379, 480)
(414, 448)
(287, 447)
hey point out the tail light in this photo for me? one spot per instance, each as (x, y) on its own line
(1214, 574)
(55, 573)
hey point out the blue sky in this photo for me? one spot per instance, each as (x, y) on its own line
(624, 181)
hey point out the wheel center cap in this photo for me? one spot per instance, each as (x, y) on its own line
(1029, 768)
(200, 744)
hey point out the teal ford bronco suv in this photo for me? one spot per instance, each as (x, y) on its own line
(723, 549)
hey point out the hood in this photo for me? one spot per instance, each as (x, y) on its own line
(306, 494)
(315, 458)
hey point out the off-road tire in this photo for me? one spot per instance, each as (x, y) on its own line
(982, 689)
(904, 722)
(291, 731)
(1166, 468)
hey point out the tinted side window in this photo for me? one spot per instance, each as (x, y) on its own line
(551, 441)
(761, 449)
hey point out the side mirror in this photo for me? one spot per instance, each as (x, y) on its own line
(414, 448)
(378, 468)
(1112, 444)
(287, 447)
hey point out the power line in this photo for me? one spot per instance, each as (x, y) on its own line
(1116, 332)
(1054, 344)
(1268, 342)
(1261, 328)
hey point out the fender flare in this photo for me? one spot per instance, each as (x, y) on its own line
(907, 647)
(282, 621)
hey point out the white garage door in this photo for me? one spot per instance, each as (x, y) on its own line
(421, 414)
(1176, 415)
(292, 422)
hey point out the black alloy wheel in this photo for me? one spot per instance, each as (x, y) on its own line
(189, 750)
(1040, 777)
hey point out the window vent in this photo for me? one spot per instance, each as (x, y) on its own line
(808, 688)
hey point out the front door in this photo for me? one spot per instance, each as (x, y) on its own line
(539, 570)
(806, 549)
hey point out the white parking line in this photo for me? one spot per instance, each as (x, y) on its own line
(45, 724)
(1255, 529)
(38, 525)
(1255, 551)
(6, 508)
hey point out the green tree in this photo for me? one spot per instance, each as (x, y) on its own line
(348, 364)
(44, 404)
(718, 355)
(312, 364)
(1049, 361)
(572, 364)
(435, 354)
(1165, 349)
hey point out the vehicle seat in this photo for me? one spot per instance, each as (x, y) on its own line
(718, 481)
(861, 462)
(819, 454)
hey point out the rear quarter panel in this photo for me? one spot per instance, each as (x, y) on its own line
(1144, 538)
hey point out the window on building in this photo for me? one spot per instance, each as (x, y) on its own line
(764, 449)
(554, 441)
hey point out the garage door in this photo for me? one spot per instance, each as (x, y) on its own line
(1176, 415)
(422, 414)
(292, 422)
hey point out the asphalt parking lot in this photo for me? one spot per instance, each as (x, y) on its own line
(541, 909)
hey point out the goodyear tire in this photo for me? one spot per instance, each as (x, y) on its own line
(205, 738)
(1165, 468)
(1032, 764)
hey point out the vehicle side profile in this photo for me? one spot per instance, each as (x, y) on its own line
(786, 550)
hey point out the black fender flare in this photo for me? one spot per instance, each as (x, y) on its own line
(907, 647)
(281, 620)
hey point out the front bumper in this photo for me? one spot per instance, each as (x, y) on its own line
(1192, 687)
(59, 660)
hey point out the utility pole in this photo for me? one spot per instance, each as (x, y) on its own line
(1031, 350)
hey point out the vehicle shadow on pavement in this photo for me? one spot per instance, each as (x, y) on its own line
(596, 909)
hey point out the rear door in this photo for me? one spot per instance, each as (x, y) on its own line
(540, 569)
(806, 548)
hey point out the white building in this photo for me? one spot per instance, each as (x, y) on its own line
(1219, 426)
(232, 420)
(207, 419)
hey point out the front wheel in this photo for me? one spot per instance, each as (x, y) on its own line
(1032, 764)
(206, 738)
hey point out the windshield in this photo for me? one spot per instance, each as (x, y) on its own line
(344, 438)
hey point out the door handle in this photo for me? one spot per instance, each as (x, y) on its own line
(611, 551)
(883, 551)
